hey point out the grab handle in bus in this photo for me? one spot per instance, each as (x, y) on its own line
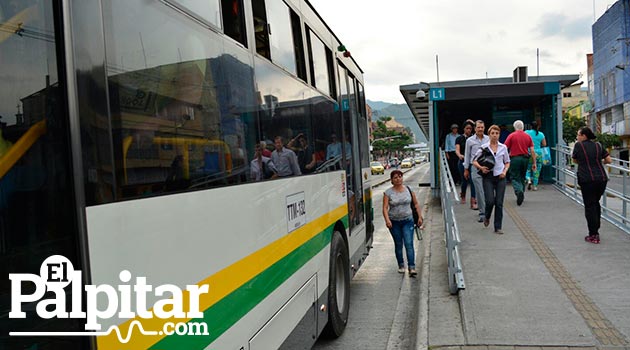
(17, 151)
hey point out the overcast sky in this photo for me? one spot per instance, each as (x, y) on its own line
(396, 42)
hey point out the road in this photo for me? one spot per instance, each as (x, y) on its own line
(383, 303)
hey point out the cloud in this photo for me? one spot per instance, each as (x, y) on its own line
(557, 24)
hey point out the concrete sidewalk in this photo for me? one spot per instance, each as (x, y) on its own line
(541, 284)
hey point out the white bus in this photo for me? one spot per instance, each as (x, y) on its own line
(128, 135)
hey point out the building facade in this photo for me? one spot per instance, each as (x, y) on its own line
(611, 72)
(575, 100)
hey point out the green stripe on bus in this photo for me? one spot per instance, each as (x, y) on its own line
(226, 312)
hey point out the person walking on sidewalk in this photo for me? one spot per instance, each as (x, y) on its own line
(399, 220)
(460, 151)
(494, 179)
(539, 142)
(592, 178)
(473, 144)
(521, 147)
(449, 148)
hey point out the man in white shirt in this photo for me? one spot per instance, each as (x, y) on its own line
(262, 167)
(473, 144)
(284, 159)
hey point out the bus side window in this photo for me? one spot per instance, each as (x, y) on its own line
(233, 20)
(274, 30)
(320, 58)
(261, 27)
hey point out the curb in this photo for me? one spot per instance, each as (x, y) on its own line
(422, 330)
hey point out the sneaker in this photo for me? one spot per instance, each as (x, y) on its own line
(412, 273)
(592, 239)
(535, 188)
(486, 222)
(520, 196)
(529, 185)
(480, 218)
(498, 232)
(401, 270)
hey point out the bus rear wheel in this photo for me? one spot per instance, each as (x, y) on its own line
(338, 287)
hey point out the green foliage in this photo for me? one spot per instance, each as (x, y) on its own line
(608, 140)
(570, 126)
(396, 141)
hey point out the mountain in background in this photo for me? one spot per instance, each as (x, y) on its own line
(378, 105)
(400, 112)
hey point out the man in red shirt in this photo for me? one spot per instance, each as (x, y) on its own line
(521, 147)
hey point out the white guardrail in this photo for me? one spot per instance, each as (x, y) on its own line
(617, 197)
(448, 194)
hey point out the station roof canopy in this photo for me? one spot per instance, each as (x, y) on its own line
(477, 89)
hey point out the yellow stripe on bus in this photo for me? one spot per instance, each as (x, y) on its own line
(225, 281)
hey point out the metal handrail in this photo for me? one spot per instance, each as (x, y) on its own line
(614, 203)
(448, 194)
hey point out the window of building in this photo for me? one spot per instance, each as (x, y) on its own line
(566, 94)
(233, 20)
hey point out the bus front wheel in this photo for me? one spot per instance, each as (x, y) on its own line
(338, 287)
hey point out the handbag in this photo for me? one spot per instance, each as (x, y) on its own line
(267, 172)
(414, 212)
(486, 159)
(546, 156)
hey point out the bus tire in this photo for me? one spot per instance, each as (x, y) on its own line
(338, 287)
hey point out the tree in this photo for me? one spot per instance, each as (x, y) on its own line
(397, 140)
(570, 126)
(608, 140)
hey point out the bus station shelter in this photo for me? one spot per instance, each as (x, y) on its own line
(495, 101)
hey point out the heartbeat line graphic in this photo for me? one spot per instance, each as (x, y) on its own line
(111, 329)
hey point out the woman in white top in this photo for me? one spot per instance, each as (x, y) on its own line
(494, 179)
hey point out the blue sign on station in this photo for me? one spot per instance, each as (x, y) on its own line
(436, 94)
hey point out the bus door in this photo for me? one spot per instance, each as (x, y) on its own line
(38, 215)
(364, 152)
(351, 147)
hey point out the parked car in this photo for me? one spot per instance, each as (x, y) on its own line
(377, 168)
(406, 163)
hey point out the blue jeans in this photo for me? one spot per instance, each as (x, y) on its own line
(402, 233)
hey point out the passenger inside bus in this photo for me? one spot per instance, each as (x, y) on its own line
(284, 159)
(261, 167)
(305, 154)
